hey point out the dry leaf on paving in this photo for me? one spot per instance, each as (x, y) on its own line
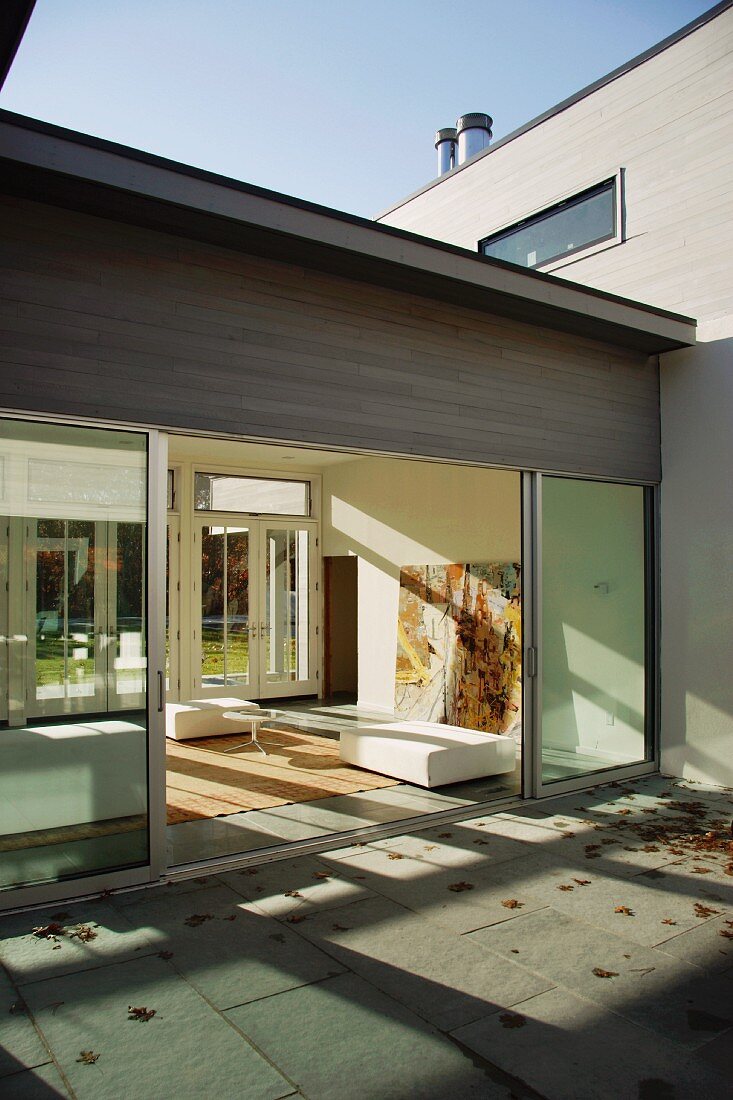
(727, 933)
(395, 855)
(512, 903)
(701, 870)
(512, 1019)
(49, 931)
(321, 874)
(458, 887)
(197, 919)
(165, 954)
(705, 911)
(668, 921)
(481, 841)
(582, 881)
(445, 834)
(293, 894)
(564, 887)
(87, 1057)
(83, 932)
(601, 973)
(625, 910)
(142, 1014)
(295, 919)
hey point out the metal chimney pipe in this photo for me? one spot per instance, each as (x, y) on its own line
(474, 134)
(446, 143)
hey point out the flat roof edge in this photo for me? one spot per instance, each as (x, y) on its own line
(570, 101)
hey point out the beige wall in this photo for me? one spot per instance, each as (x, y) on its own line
(669, 124)
(393, 513)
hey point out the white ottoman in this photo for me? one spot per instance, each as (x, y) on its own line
(427, 753)
(203, 718)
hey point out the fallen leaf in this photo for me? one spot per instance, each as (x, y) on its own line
(197, 919)
(623, 813)
(339, 928)
(512, 1019)
(512, 903)
(142, 1014)
(293, 894)
(727, 932)
(701, 870)
(668, 921)
(83, 932)
(87, 1057)
(515, 950)
(445, 834)
(625, 910)
(459, 887)
(564, 887)
(430, 847)
(165, 954)
(321, 874)
(295, 919)
(601, 973)
(567, 835)
(395, 855)
(49, 931)
(705, 911)
(232, 917)
(480, 841)
(582, 881)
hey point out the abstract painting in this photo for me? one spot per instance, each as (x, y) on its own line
(459, 650)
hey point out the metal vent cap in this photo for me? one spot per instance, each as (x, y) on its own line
(448, 133)
(476, 120)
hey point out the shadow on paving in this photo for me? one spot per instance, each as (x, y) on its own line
(391, 969)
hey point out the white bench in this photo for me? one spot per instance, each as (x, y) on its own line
(203, 718)
(427, 753)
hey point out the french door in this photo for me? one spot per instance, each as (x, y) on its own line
(85, 616)
(254, 604)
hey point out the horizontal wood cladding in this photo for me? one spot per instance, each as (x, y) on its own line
(669, 125)
(102, 319)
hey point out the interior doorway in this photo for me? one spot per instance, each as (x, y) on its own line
(340, 625)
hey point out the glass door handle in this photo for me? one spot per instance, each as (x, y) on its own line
(264, 629)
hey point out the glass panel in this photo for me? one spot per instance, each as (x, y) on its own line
(73, 775)
(212, 606)
(575, 224)
(286, 605)
(224, 629)
(224, 493)
(593, 627)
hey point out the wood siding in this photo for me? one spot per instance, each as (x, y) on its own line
(102, 319)
(669, 124)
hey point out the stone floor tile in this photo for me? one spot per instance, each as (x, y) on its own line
(344, 1038)
(41, 1083)
(29, 958)
(20, 1046)
(660, 993)
(452, 897)
(441, 976)
(457, 845)
(228, 951)
(718, 1053)
(187, 1050)
(295, 886)
(704, 946)
(567, 1048)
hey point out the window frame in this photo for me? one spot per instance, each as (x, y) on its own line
(614, 182)
(256, 476)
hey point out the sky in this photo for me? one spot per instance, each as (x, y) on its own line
(335, 101)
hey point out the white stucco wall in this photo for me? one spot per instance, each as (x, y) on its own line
(394, 512)
(697, 556)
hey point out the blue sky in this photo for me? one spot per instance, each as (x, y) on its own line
(336, 102)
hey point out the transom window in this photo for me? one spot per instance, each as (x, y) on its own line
(561, 230)
(261, 496)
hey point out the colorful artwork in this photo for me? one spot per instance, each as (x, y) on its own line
(459, 652)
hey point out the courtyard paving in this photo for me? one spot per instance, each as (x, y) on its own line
(580, 948)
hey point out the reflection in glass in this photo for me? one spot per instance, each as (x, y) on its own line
(231, 493)
(593, 626)
(286, 605)
(224, 606)
(73, 767)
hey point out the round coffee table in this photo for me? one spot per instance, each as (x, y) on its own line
(256, 718)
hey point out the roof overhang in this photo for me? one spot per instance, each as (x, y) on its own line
(14, 17)
(58, 166)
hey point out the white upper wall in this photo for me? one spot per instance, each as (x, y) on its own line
(669, 124)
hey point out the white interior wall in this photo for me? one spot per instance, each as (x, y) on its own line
(397, 512)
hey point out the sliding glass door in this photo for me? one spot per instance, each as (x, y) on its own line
(74, 756)
(594, 638)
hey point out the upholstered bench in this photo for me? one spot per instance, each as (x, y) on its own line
(427, 753)
(203, 718)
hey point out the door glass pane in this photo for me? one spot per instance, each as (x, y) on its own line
(593, 627)
(73, 770)
(286, 605)
(224, 606)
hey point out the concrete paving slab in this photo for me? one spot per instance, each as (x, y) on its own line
(111, 938)
(657, 992)
(451, 897)
(228, 952)
(568, 1048)
(186, 1050)
(343, 1038)
(20, 1045)
(708, 946)
(42, 1083)
(443, 978)
(295, 886)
